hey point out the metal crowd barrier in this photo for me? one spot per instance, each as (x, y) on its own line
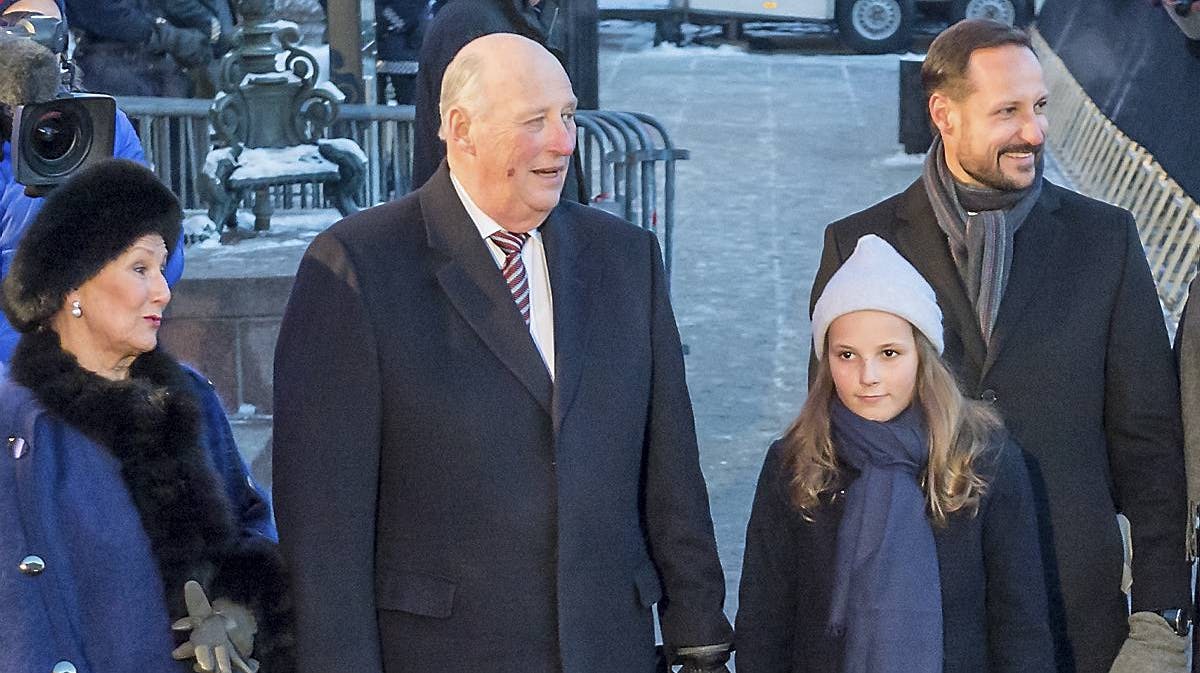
(176, 138)
(1108, 165)
(620, 151)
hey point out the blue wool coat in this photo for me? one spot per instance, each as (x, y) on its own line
(99, 601)
(993, 598)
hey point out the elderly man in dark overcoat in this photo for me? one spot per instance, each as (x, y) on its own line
(485, 455)
(1051, 314)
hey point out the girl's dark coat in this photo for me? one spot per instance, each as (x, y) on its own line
(195, 513)
(993, 597)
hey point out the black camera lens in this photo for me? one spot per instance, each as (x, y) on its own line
(57, 138)
(53, 139)
(54, 134)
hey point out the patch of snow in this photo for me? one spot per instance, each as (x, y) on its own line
(903, 159)
(326, 85)
(214, 157)
(266, 162)
(198, 229)
(693, 50)
(345, 145)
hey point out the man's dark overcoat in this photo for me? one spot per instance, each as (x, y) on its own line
(1081, 370)
(444, 506)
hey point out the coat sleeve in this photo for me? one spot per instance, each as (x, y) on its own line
(1145, 435)
(677, 515)
(116, 20)
(831, 261)
(251, 507)
(766, 617)
(1187, 358)
(250, 572)
(1019, 638)
(326, 461)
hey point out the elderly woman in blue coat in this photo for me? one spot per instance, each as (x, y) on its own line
(893, 528)
(124, 504)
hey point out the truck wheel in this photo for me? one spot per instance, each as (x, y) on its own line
(875, 26)
(1012, 12)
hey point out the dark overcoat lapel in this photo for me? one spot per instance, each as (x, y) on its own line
(574, 278)
(468, 275)
(1038, 242)
(922, 243)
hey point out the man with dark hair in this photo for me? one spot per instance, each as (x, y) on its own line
(1050, 314)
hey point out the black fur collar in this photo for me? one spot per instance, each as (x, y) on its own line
(150, 423)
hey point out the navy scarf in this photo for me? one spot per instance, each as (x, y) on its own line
(887, 598)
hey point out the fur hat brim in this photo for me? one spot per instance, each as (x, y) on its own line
(84, 224)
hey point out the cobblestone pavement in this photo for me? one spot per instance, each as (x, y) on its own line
(781, 145)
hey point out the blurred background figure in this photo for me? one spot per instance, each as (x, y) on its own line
(452, 27)
(150, 47)
(399, 27)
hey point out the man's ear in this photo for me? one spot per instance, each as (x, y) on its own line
(458, 131)
(943, 113)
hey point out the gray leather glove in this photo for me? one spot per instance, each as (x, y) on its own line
(704, 659)
(188, 46)
(1152, 647)
(222, 634)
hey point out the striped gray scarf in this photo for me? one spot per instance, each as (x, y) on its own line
(980, 224)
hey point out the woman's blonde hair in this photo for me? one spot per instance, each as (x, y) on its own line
(958, 432)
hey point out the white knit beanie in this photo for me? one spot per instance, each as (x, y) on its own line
(877, 278)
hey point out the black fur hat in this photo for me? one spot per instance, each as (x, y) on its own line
(84, 224)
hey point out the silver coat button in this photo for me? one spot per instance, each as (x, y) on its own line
(63, 667)
(32, 565)
(18, 446)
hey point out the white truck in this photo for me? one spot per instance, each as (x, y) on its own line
(867, 26)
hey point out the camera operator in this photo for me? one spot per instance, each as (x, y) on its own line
(17, 209)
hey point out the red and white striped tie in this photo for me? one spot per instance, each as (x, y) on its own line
(514, 269)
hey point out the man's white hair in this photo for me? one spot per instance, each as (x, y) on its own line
(462, 87)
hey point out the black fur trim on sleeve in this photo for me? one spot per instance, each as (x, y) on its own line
(151, 424)
(252, 574)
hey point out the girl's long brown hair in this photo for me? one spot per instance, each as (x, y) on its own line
(958, 433)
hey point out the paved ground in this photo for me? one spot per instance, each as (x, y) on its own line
(781, 145)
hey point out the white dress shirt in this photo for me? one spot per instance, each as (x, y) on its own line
(533, 255)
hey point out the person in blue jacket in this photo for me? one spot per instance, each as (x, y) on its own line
(124, 503)
(17, 209)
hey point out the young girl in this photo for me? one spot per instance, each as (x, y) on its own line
(893, 527)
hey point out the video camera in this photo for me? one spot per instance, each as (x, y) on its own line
(54, 131)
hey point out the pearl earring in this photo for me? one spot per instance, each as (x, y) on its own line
(76, 310)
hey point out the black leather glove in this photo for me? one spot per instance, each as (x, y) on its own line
(704, 659)
(189, 47)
